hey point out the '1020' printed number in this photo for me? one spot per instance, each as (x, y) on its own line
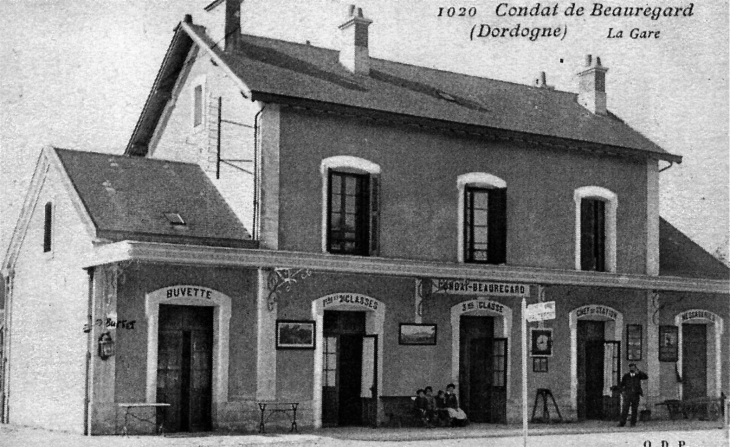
(452, 11)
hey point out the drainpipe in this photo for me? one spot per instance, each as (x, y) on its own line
(8, 283)
(256, 188)
(88, 392)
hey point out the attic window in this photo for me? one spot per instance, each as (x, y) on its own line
(445, 96)
(175, 219)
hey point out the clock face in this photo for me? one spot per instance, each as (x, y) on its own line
(542, 342)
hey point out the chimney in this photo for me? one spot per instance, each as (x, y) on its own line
(541, 81)
(592, 86)
(223, 23)
(354, 48)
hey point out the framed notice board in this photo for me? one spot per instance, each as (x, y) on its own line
(633, 342)
(668, 343)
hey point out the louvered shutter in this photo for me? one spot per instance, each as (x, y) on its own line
(599, 218)
(374, 226)
(497, 227)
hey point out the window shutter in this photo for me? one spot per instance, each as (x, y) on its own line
(600, 235)
(374, 215)
(587, 259)
(497, 230)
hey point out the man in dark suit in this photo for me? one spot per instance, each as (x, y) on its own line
(631, 392)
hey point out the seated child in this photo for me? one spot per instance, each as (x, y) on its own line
(442, 413)
(420, 406)
(457, 415)
(431, 408)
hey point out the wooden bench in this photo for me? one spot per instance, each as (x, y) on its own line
(399, 411)
(701, 407)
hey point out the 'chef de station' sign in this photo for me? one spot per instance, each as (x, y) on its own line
(466, 287)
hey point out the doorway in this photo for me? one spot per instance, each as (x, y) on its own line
(482, 370)
(184, 366)
(342, 368)
(694, 360)
(590, 369)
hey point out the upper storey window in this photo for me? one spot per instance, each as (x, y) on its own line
(595, 232)
(351, 209)
(48, 228)
(483, 218)
(198, 100)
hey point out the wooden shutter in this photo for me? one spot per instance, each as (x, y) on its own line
(374, 226)
(497, 229)
(592, 235)
(587, 260)
(599, 238)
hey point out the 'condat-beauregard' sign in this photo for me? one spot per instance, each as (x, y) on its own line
(466, 287)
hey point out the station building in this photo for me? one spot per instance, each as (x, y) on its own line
(291, 223)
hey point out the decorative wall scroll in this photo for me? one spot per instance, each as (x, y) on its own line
(283, 278)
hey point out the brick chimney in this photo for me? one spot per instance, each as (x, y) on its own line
(223, 23)
(592, 86)
(354, 47)
(541, 81)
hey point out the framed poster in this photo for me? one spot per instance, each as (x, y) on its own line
(633, 342)
(541, 342)
(668, 343)
(417, 334)
(540, 364)
(295, 334)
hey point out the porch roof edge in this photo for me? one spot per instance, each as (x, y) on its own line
(242, 257)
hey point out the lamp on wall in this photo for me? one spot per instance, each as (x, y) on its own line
(106, 346)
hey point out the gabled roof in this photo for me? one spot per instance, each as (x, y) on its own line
(125, 198)
(129, 197)
(285, 72)
(680, 256)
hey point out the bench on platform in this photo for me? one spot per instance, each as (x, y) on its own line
(702, 407)
(399, 411)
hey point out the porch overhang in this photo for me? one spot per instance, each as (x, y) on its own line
(242, 257)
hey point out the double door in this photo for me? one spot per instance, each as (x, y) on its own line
(184, 366)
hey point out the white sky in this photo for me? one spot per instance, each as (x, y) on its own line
(75, 73)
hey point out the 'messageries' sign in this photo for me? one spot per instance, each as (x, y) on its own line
(466, 287)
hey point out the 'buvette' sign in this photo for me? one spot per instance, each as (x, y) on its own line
(466, 287)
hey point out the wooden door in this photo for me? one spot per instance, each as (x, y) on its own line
(694, 360)
(369, 382)
(590, 368)
(342, 403)
(184, 366)
(482, 370)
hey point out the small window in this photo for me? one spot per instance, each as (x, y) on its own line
(349, 211)
(593, 235)
(198, 106)
(174, 219)
(48, 228)
(485, 225)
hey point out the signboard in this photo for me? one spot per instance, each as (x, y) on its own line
(466, 287)
(540, 311)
